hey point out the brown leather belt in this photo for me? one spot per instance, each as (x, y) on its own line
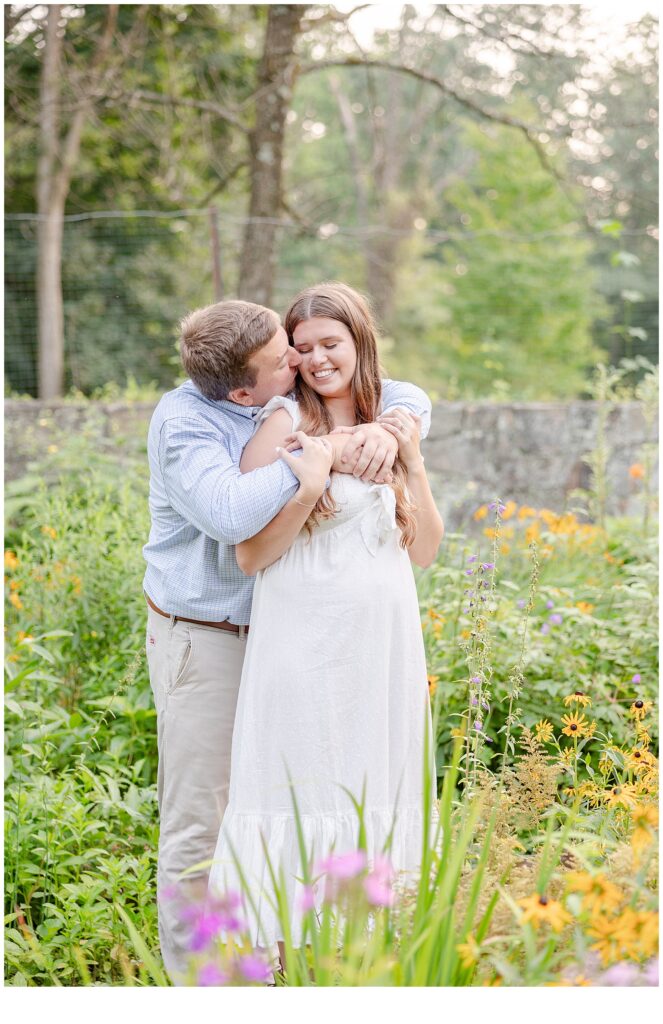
(230, 627)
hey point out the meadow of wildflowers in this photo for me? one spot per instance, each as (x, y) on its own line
(542, 652)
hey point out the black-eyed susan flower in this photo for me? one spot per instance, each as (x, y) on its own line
(578, 697)
(606, 933)
(638, 759)
(636, 933)
(590, 792)
(620, 796)
(544, 730)
(599, 894)
(575, 725)
(639, 708)
(538, 908)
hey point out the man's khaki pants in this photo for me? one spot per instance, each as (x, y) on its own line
(195, 673)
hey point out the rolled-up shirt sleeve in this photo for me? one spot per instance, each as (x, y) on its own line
(401, 394)
(207, 488)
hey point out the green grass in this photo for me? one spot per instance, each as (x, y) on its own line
(81, 814)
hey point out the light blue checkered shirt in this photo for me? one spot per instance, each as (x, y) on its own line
(202, 505)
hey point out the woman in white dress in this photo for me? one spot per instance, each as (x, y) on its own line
(334, 697)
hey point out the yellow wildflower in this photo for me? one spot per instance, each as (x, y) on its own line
(468, 952)
(609, 558)
(465, 633)
(544, 730)
(509, 509)
(636, 933)
(533, 532)
(590, 792)
(16, 601)
(645, 819)
(599, 894)
(585, 607)
(580, 981)
(639, 708)
(48, 531)
(567, 760)
(538, 908)
(638, 759)
(504, 549)
(620, 796)
(11, 561)
(575, 725)
(432, 684)
(481, 512)
(636, 471)
(525, 512)
(606, 931)
(578, 697)
(490, 532)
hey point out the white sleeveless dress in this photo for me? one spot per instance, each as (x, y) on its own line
(333, 692)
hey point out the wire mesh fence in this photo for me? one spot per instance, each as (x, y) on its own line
(128, 278)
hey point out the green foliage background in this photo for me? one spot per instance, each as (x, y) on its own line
(487, 258)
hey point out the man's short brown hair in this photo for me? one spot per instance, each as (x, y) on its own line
(216, 343)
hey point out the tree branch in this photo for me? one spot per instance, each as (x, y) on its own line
(424, 76)
(161, 99)
(531, 48)
(332, 15)
(225, 180)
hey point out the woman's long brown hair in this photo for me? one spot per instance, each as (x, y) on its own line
(339, 302)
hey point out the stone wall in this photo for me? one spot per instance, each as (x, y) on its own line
(529, 452)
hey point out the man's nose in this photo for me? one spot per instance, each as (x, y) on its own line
(294, 358)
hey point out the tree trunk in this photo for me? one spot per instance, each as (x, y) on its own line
(49, 303)
(58, 153)
(266, 142)
(50, 316)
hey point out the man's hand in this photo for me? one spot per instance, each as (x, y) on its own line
(370, 453)
(312, 467)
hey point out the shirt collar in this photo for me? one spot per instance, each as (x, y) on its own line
(249, 411)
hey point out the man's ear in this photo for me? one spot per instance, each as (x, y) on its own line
(240, 396)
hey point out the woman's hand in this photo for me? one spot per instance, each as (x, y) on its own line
(311, 468)
(405, 427)
(369, 454)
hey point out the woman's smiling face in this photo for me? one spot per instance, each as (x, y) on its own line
(329, 355)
